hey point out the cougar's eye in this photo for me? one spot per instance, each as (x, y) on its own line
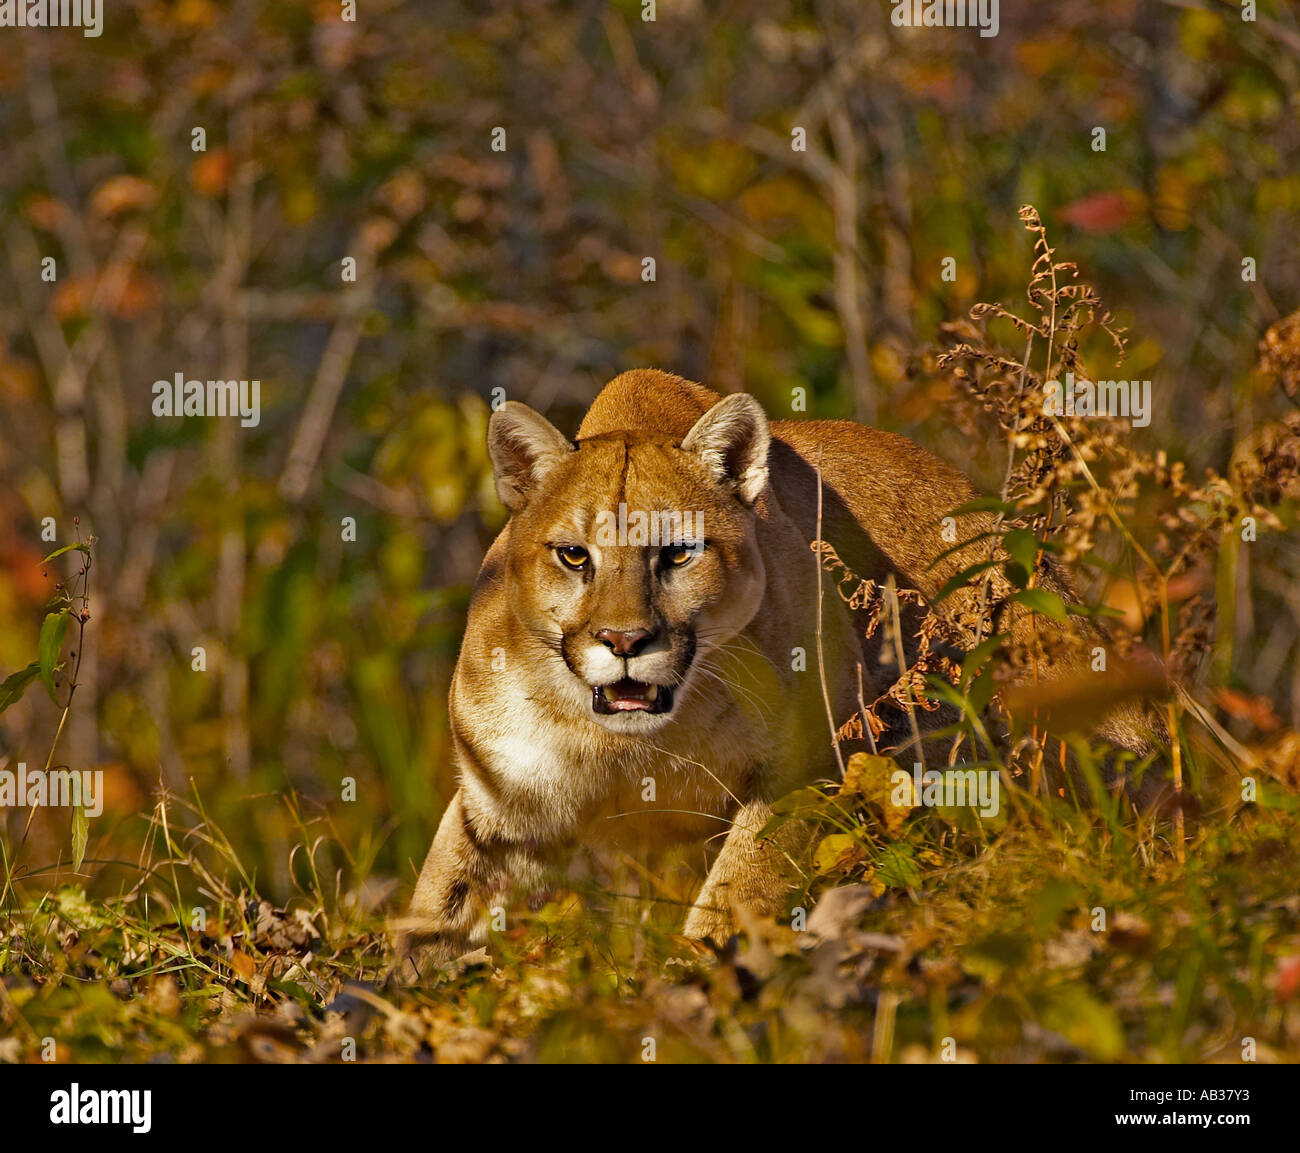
(677, 555)
(573, 556)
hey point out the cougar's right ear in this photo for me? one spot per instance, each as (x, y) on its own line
(524, 447)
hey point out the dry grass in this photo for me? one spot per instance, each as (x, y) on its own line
(1069, 927)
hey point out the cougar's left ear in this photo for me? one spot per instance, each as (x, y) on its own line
(732, 439)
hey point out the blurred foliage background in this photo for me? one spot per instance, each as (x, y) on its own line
(521, 270)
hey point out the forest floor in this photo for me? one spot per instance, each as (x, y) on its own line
(1059, 935)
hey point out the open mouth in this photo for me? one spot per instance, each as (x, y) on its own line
(628, 696)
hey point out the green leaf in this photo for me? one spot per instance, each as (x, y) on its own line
(11, 692)
(982, 688)
(800, 803)
(774, 822)
(979, 654)
(835, 850)
(962, 577)
(1041, 601)
(1022, 547)
(896, 867)
(67, 548)
(941, 690)
(1093, 611)
(800, 800)
(60, 602)
(1052, 900)
(53, 630)
(1085, 1022)
(80, 833)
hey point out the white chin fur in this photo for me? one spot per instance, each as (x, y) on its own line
(636, 724)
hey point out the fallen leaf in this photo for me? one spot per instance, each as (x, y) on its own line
(872, 778)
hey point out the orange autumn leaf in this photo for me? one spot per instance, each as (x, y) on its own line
(1287, 979)
(196, 13)
(139, 295)
(72, 298)
(210, 173)
(122, 193)
(18, 378)
(45, 213)
(135, 295)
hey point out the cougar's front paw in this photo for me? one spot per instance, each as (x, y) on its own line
(420, 952)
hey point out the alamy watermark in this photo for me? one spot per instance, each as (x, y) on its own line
(641, 528)
(52, 788)
(979, 789)
(981, 14)
(181, 397)
(88, 15)
(1128, 398)
(78, 1106)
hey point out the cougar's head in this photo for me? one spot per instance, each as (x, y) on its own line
(631, 556)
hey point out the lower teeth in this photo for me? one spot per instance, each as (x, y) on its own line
(649, 694)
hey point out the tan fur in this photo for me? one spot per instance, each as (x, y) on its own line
(539, 772)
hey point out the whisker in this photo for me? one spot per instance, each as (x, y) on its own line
(709, 670)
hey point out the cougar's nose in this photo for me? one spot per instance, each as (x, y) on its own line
(625, 644)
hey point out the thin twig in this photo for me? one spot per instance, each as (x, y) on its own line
(862, 712)
(821, 659)
(891, 593)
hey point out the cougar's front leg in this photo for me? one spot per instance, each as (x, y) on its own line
(746, 872)
(461, 876)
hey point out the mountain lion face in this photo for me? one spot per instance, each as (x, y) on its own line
(631, 558)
